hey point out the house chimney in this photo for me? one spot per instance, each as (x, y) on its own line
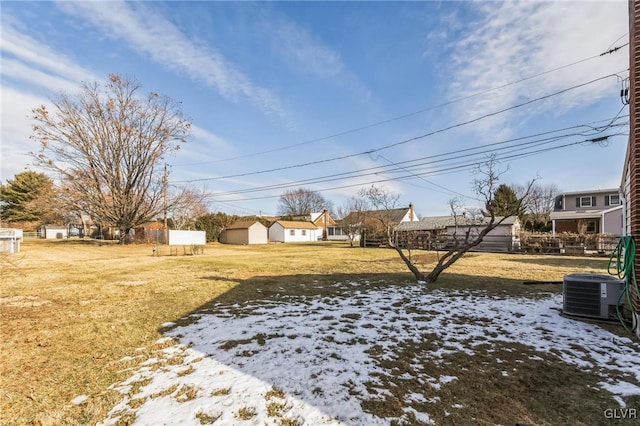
(324, 224)
(411, 213)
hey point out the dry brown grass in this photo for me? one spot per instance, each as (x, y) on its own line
(73, 310)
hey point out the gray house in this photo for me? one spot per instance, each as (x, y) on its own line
(588, 212)
(245, 233)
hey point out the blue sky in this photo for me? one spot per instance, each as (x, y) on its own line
(333, 96)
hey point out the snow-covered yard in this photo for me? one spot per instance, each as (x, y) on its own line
(329, 360)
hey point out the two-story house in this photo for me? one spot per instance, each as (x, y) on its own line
(590, 212)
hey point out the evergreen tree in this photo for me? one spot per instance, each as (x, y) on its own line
(505, 202)
(29, 197)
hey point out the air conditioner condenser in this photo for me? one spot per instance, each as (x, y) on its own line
(591, 295)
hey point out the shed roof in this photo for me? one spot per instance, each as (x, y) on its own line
(443, 222)
(288, 224)
(394, 215)
(243, 224)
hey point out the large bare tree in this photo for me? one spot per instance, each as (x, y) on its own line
(107, 142)
(302, 201)
(187, 204)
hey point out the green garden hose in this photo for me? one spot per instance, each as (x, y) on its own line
(623, 260)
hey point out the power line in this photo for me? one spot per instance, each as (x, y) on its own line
(455, 168)
(416, 164)
(405, 141)
(411, 114)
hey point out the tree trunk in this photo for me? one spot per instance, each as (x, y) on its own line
(416, 272)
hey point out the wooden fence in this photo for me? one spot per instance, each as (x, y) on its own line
(569, 244)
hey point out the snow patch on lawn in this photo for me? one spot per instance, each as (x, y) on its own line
(317, 352)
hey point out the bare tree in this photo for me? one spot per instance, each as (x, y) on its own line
(107, 142)
(383, 203)
(352, 217)
(302, 201)
(539, 203)
(473, 225)
(187, 205)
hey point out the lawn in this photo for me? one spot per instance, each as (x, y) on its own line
(301, 333)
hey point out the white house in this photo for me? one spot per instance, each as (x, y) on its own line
(286, 231)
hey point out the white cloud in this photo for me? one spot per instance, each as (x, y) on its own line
(514, 40)
(26, 60)
(33, 77)
(15, 131)
(304, 50)
(147, 32)
(306, 53)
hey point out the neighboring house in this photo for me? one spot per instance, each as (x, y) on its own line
(248, 232)
(322, 220)
(370, 223)
(52, 232)
(339, 232)
(289, 231)
(438, 232)
(590, 212)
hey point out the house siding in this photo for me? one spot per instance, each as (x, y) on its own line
(612, 222)
(633, 159)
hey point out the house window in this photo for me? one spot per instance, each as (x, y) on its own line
(586, 202)
(591, 227)
(304, 232)
(330, 231)
(612, 200)
(292, 232)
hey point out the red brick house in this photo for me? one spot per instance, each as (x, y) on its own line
(631, 175)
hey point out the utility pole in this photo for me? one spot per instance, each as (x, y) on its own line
(165, 184)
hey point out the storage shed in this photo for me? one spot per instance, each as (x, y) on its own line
(10, 240)
(245, 233)
(286, 231)
(52, 232)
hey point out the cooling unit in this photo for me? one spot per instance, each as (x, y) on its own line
(591, 295)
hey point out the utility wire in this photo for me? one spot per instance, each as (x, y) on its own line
(405, 141)
(414, 167)
(456, 168)
(411, 114)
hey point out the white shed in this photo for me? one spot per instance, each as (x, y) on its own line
(52, 232)
(286, 231)
(10, 239)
